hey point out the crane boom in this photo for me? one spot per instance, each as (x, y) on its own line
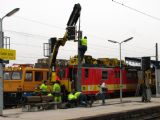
(61, 41)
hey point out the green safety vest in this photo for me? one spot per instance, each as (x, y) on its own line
(49, 94)
(43, 87)
(56, 87)
(71, 97)
(77, 94)
(84, 41)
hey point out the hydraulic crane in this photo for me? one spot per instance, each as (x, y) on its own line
(56, 43)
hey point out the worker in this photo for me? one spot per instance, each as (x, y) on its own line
(103, 91)
(49, 94)
(64, 92)
(83, 47)
(44, 88)
(146, 93)
(81, 98)
(72, 101)
(57, 91)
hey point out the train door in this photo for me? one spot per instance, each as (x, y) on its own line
(39, 76)
(116, 81)
(85, 80)
(28, 81)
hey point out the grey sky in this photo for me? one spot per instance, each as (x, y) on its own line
(38, 20)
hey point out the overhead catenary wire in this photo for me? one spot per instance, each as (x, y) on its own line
(146, 14)
(46, 37)
(28, 34)
(42, 23)
(49, 25)
(42, 37)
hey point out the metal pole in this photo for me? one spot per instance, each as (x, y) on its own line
(156, 78)
(121, 84)
(1, 71)
(156, 52)
(120, 73)
(78, 82)
(1, 64)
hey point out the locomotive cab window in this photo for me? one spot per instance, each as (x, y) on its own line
(16, 75)
(86, 73)
(6, 76)
(28, 76)
(104, 75)
(38, 76)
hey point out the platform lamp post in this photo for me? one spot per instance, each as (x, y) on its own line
(1, 63)
(121, 85)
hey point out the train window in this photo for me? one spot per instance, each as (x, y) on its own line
(86, 73)
(38, 76)
(28, 76)
(16, 75)
(104, 75)
(132, 75)
(6, 76)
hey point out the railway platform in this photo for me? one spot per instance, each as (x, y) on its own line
(130, 108)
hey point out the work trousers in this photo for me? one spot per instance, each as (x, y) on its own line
(83, 99)
(101, 96)
(82, 50)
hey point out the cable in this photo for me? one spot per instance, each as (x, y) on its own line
(28, 34)
(35, 21)
(100, 38)
(28, 45)
(68, 50)
(153, 17)
(45, 37)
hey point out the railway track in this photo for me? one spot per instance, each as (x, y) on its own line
(155, 116)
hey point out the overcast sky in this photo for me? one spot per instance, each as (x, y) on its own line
(101, 20)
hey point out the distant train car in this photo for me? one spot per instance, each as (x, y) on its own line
(19, 79)
(91, 77)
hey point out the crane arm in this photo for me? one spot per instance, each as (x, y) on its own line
(61, 41)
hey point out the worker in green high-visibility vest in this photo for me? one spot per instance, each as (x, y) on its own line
(57, 91)
(81, 98)
(72, 100)
(44, 87)
(83, 47)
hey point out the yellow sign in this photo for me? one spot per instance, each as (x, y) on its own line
(7, 54)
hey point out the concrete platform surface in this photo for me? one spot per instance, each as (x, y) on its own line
(111, 106)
